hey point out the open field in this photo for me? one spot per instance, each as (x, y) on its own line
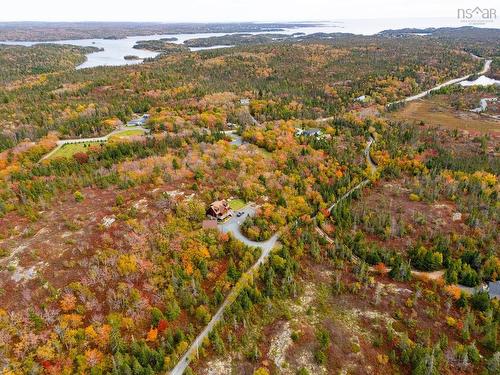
(236, 204)
(70, 149)
(433, 112)
(128, 133)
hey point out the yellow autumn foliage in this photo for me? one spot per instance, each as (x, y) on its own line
(46, 352)
(127, 264)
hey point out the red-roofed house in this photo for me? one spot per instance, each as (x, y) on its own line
(220, 210)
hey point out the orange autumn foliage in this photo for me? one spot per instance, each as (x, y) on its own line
(102, 339)
(93, 357)
(380, 268)
(71, 320)
(68, 302)
(152, 335)
(453, 291)
(188, 267)
(326, 213)
(223, 237)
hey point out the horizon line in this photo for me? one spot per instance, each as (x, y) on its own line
(228, 22)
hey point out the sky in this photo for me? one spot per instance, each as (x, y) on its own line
(230, 10)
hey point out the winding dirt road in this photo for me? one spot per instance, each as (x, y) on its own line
(233, 227)
(486, 68)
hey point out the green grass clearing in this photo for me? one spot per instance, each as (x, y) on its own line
(236, 204)
(70, 149)
(128, 133)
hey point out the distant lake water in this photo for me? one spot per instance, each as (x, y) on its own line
(114, 50)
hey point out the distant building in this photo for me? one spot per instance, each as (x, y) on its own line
(361, 98)
(220, 210)
(245, 101)
(140, 121)
(308, 132)
(494, 289)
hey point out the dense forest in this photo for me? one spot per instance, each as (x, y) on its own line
(306, 79)
(237, 40)
(50, 31)
(387, 230)
(165, 46)
(18, 62)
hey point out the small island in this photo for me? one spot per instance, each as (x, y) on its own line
(170, 39)
(131, 57)
(235, 40)
(164, 46)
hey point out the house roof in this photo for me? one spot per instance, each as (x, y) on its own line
(219, 207)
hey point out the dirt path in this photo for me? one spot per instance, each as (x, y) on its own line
(193, 349)
(233, 226)
(486, 68)
(373, 168)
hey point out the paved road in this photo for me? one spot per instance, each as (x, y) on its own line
(231, 226)
(487, 65)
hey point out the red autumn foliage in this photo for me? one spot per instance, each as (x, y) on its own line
(81, 157)
(46, 364)
(162, 325)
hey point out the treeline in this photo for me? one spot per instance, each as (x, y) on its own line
(279, 78)
(18, 62)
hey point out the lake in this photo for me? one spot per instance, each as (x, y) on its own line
(114, 50)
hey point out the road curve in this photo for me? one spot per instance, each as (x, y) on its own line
(231, 226)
